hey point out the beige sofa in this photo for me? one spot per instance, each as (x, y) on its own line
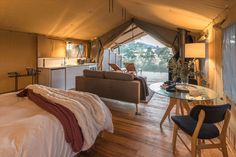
(113, 85)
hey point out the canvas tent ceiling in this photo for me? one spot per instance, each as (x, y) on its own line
(88, 19)
(193, 15)
(81, 19)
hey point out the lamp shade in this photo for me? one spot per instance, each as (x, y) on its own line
(195, 50)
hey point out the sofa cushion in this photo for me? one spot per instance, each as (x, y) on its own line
(119, 76)
(94, 74)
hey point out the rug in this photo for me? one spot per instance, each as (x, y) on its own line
(149, 97)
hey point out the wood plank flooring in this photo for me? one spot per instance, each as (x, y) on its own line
(140, 136)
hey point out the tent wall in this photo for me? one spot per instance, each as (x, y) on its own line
(21, 50)
(56, 47)
(51, 47)
(18, 51)
(214, 40)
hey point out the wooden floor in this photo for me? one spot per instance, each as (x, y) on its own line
(140, 136)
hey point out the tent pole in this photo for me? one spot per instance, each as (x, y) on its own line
(182, 43)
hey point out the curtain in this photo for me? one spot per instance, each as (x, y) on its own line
(229, 62)
(107, 39)
(164, 35)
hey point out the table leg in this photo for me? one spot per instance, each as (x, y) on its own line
(178, 103)
(182, 108)
(168, 110)
(186, 106)
(179, 106)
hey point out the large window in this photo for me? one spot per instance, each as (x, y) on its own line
(146, 57)
(229, 62)
(149, 56)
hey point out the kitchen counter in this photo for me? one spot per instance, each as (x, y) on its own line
(63, 76)
(68, 66)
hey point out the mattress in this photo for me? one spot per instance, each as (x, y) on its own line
(27, 130)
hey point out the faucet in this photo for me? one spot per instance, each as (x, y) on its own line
(64, 61)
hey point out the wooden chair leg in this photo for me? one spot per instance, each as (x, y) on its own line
(194, 139)
(199, 150)
(224, 149)
(193, 148)
(223, 134)
(174, 138)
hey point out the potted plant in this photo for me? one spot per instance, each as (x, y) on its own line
(180, 70)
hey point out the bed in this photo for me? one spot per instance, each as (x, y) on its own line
(26, 129)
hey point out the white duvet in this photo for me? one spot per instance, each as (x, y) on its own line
(26, 130)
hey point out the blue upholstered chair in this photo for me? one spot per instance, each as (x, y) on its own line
(201, 124)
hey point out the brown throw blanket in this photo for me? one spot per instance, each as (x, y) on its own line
(72, 130)
(143, 87)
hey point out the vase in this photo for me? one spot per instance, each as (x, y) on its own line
(185, 79)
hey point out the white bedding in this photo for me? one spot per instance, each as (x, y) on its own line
(26, 130)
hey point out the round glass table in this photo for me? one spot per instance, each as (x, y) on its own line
(181, 99)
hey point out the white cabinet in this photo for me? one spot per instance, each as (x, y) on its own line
(62, 77)
(71, 73)
(53, 77)
(58, 79)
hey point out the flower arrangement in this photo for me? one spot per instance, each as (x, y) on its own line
(180, 70)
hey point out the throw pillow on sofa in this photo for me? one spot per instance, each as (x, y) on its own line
(119, 76)
(93, 74)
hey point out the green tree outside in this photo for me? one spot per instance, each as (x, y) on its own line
(146, 57)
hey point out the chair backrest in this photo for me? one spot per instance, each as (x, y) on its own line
(130, 67)
(213, 114)
(114, 66)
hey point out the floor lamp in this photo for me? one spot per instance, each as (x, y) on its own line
(195, 51)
